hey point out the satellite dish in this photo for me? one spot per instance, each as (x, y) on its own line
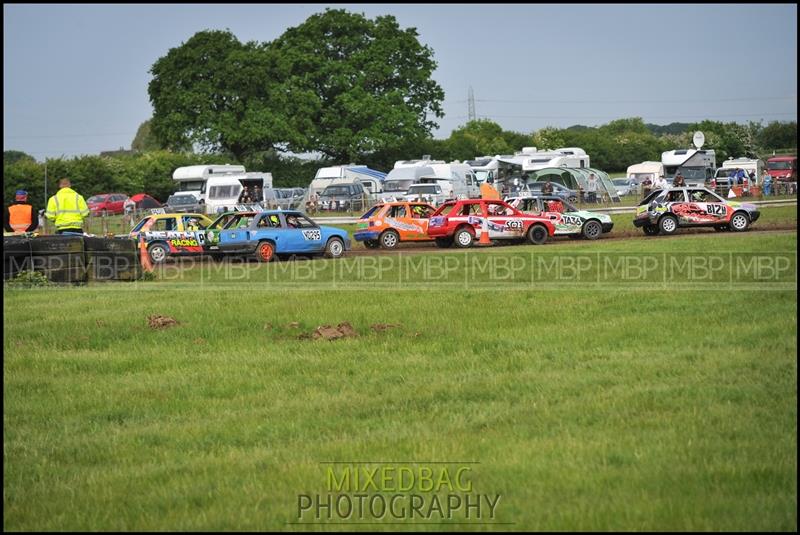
(698, 139)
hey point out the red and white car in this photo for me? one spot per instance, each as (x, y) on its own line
(461, 222)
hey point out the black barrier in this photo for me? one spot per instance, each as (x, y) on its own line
(72, 259)
(112, 259)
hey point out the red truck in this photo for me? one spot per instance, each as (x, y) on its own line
(783, 168)
(460, 222)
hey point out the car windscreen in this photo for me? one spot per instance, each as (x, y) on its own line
(97, 198)
(425, 188)
(779, 166)
(397, 185)
(724, 173)
(650, 197)
(336, 190)
(181, 199)
(371, 211)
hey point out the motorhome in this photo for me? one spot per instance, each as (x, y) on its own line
(498, 168)
(371, 180)
(456, 180)
(191, 177)
(696, 165)
(401, 178)
(222, 192)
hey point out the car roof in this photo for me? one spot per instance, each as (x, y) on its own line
(175, 214)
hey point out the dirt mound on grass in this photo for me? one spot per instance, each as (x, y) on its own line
(157, 321)
(343, 330)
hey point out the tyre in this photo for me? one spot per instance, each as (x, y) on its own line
(389, 239)
(334, 248)
(444, 243)
(372, 244)
(739, 222)
(592, 230)
(668, 224)
(463, 237)
(265, 251)
(158, 253)
(650, 230)
(537, 234)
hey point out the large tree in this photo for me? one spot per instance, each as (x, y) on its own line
(214, 92)
(354, 86)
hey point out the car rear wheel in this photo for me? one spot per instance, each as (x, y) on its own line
(592, 230)
(389, 239)
(464, 237)
(265, 251)
(668, 224)
(537, 234)
(444, 243)
(158, 253)
(739, 222)
(650, 230)
(334, 248)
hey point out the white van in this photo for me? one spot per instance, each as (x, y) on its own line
(223, 192)
(455, 180)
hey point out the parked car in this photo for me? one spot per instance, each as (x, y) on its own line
(624, 186)
(343, 197)
(567, 219)
(387, 224)
(107, 203)
(183, 202)
(665, 211)
(279, 232)
(428, 192)
(461, 222)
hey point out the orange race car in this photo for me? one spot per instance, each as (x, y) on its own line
(387, 224)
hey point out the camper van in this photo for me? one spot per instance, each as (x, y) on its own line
(224, 191)
(401, 178)
(696, 165)
(191, 177)
(370, 179)
(455, 180)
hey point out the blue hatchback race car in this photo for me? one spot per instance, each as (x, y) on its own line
(279, 232)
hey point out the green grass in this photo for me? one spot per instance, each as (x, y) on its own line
(588, 408)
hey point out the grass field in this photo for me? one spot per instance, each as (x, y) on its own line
(654, 404)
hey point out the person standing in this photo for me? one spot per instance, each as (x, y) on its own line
(67, 209)
(20, 215)
(766, 182)
(591, 188)
(679, 182)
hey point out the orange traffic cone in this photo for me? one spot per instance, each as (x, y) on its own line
(144, 258)
(484, 240)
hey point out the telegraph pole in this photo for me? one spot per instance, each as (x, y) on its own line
(471, 111)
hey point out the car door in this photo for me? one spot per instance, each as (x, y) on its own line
(302, 234)
(708, 208)
(503, 221)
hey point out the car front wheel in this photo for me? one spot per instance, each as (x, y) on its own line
(739, 222)
(592, 230)
(668, 225)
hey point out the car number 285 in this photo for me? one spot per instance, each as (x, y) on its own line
(312, 234)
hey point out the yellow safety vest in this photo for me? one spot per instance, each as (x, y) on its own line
(67, 209)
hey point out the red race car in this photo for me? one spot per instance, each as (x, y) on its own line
(461, 222)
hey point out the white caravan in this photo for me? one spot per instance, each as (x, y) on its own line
(191, 177)
(747, 164)
(645, 173)
(221, 192)
(533, 160)
(370, 179)
(455, 180)
(696, 165)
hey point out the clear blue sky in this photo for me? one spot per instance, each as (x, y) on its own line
(75, 76)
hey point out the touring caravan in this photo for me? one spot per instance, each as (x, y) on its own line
(370, 179)
(533, 160)
(191, 177)
(644, 174)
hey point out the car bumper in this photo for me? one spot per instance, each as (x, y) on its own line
(364, 235)
(607, 227)
(754, 215)
(641, 221)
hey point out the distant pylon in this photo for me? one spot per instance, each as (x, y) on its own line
(471, 100)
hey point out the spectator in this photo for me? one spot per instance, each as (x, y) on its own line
(679, 182)
(766, 182)
(547, 189)
(591, 188)
(67, 209)
(20, 214)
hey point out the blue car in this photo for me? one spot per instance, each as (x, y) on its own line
(279, 232)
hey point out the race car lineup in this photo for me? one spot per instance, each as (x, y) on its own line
(266, 234)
